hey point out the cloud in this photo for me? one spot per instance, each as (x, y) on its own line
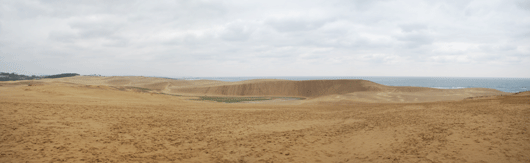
(416, 40)
(413, 27)
(525, 5)
(295, 24)
(236, 31)
(216, 38)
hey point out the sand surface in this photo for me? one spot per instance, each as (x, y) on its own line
(91, 119)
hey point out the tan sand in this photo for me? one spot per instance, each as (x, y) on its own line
(88, 119)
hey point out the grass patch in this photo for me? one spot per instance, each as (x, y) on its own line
(140, 89)
(136, 89)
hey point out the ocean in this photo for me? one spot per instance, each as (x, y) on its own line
(503, 84)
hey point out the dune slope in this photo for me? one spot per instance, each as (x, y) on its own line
(308, 88)
(335, 90)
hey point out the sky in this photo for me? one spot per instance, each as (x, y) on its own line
(202, 38)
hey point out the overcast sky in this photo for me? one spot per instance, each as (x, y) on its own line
(175, 38)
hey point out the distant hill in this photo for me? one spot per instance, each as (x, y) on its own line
(62, 75)
(4, 76)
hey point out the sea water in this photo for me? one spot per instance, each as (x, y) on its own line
(502, 84)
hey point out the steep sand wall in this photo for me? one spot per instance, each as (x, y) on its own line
(308, 88)
(320, 88)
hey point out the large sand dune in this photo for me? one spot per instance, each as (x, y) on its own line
(314, 90)
(310, 88)
(78, 120)
(335, 90)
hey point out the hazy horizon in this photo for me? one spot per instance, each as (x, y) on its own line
(265, 77)
(410, 38)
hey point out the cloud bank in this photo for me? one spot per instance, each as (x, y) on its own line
(465, 38)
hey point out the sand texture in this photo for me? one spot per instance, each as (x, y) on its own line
(128, 119)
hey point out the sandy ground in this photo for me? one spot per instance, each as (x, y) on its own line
(88, 120)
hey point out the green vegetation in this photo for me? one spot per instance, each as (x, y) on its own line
(62, 75)
(242, 99)
(12, 76)
(138, 89)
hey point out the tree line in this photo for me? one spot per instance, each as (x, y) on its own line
(4, 76)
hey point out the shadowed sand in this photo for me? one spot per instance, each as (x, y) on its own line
(124, 119)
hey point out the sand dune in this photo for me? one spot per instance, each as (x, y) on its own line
(308, 88)
(336, 90)
(68, 121)
(313, 90)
